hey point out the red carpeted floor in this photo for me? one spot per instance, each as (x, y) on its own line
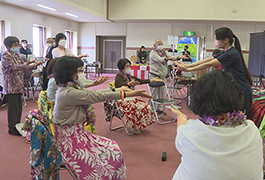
(142, 152)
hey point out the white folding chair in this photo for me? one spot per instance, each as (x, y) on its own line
(166, 100)
(35, 76)
(115, 111)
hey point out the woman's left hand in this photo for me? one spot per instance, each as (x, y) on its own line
(156, 79)
(100, 80)
(83, 55)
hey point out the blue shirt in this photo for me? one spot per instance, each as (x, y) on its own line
(231, 60)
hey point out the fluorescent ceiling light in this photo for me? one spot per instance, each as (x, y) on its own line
(46, 7)
(71, 15)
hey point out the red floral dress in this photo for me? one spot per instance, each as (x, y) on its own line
(138, 113)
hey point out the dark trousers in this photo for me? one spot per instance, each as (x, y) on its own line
(14, 109)
(45, 76)
(247, 104)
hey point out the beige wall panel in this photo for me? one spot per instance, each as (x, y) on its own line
(145, 33)
(260, 27)
(224, 10)
(259, 13)
(86, 39)
(166, 9)
(244, 10)
(130, 53)
(95, 7)
(111, 29)
(199, 28)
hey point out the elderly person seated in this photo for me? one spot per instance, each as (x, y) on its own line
(138, 113)
(222, 143)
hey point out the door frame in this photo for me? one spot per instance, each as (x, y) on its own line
(99, 49)
(104, 58)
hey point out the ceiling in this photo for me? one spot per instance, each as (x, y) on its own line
(60, 8)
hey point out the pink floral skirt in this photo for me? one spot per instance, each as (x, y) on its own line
(138, 114)
(88, 155)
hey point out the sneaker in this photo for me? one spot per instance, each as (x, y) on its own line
(13, 131)
(19, 127)
(161, 113)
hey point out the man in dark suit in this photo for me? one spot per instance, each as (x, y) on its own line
(50, 46)
(172, 49)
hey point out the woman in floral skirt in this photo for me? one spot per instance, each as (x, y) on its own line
(89, 156)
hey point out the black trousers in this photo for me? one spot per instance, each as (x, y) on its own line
(14, 109)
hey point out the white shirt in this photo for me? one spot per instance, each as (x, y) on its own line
(51, 90)
(58, 52)
(219, 153)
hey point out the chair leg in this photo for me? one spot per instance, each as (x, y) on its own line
(121, 118)
(154, 108)
(157, 117)
(69, 170)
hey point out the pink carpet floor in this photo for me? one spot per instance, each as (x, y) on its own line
(142, 152)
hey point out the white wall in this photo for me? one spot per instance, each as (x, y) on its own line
(22, 21)
(138, 34)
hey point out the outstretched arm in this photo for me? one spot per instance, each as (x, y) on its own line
(199, 66)
(200, 62)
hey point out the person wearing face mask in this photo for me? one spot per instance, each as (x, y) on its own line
(82, 81)
(61, 50)
(232, 60)
(158, 58)
(13, 81)
(138, 113)
(24, 49)
(49, 47)
(72, 109)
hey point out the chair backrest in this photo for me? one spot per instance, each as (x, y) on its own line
(111, 84)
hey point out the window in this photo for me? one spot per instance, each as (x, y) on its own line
(2, 36)
(39, 40)
(71, 41)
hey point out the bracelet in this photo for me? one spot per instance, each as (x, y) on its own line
(80, 56)
(113, 89)
(129, 84)
(180, 119)
(122, 95)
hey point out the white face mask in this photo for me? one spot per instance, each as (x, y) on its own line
(48, 45)
(14, 49)
(160, 47)
(81, 78)
(62, 42)
(24, 45)
(128, 71)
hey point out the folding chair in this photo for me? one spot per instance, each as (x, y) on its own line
(34, 86)
(111, 109)
(176, 88)
(115, 111)
(161, 101)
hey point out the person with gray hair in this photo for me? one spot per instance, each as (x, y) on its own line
(158, 68)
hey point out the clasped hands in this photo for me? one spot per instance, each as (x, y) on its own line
(180, 65)
(37, 62)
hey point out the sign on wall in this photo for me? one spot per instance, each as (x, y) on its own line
(191, 42)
